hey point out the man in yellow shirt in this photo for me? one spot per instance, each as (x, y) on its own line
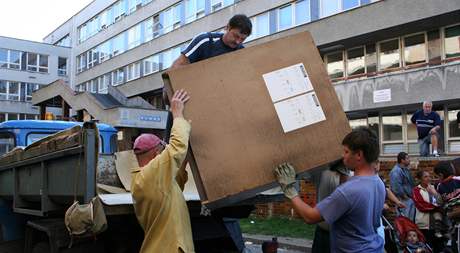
(159, 204)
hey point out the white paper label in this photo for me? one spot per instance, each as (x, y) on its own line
(382, 96)
(287, 82)
(299, 111)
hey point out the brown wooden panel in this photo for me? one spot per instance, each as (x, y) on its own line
(237, 138)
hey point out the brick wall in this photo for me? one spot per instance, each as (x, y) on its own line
(308, 194)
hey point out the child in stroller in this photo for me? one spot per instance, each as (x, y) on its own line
(413, 244)
(411, 239)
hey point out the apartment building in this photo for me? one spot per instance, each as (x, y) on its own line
(383, 57)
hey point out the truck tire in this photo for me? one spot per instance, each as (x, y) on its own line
(41, 247)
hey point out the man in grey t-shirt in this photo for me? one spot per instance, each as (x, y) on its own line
(353, 210)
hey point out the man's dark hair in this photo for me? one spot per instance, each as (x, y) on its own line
(241, 22)
(364, 139)
(402, 156)
(444, 168)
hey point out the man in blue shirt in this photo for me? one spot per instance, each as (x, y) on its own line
(353, 210)
(428, 124)
(210, 44)
(402, 183)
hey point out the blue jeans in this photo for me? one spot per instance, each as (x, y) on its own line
(425, 144)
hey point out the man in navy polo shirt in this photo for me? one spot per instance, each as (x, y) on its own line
(428, 124)
(210, 44)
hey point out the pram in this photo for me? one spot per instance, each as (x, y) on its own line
(398, 233)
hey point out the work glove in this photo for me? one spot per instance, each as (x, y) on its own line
(285, 175)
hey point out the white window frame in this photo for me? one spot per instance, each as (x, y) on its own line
(326, 61)
(321, 11)
(18, 94)
(403, 47)
(295, 16)
(346, 61)
(443, 39)
(62, 71)
(6, 91)
(146, 62)
(11, 63)
(40, 68)
(278, 28)
(134, 71)
(378, 54)
(134, 36)
(32, 65)
(34, 88)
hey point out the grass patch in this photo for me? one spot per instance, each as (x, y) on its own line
(277, 226)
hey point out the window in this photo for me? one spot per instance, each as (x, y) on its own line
(414, 49)
(134, 5)
(302, 12)
(3, 90)
(13, 116)
(177, 14)
(15, 59)
(329, 7)
(13, 91)
(389, 55)
(134, 71)
(434, 47)
(118, 77)
(119, 10)
(335, 65)
(348, 4)
(371, 59)
(43, 63)
(392, 127)
(6, 140)
(454, 130)
(284, 17)
(190, 10)
(32, 62)
(62, 66)
(260, 26)
(200, 8)
(373, 123)
(156, 26)
(452, 41)
(392, 133)
(118, 44)
(83, 62)
(33, 137)
(104, 51)
(2, 117)
(148, 30)
(171, 18)
(355, 123)
(151, 65)
(30, 88)
(64, 42)
(134, 36)
(3, 58)
(355, 61)
(93, 85)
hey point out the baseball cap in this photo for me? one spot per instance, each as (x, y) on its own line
(145, 142)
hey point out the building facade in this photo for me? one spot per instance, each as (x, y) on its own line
(25, 66)
(383, 57)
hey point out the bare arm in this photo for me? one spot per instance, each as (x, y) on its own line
(392, 197)
(309, 214)
(180, 61)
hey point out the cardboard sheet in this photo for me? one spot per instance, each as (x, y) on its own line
(124, 162)
(254, 109)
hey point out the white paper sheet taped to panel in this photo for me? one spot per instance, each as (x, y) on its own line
(287, 82)
(300, 111)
